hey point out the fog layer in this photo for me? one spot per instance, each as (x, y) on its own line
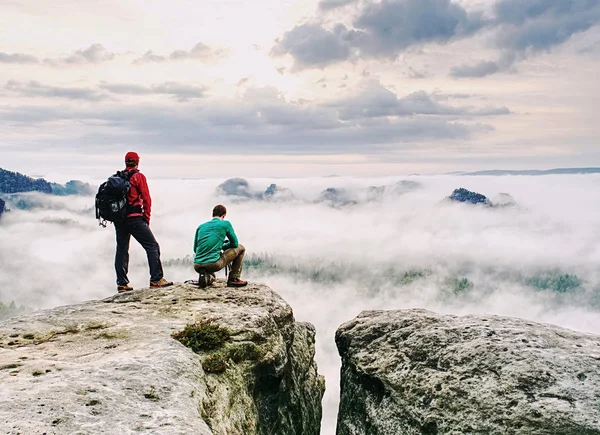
(369, 243)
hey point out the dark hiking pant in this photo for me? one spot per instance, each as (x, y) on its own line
(139, 229)
(235, 256)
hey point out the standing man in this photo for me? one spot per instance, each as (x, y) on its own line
(137, 224)
(209, 241)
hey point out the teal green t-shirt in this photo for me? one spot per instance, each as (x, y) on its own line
(210, 240)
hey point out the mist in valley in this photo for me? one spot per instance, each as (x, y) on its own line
(335, 246)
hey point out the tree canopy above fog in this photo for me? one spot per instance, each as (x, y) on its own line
(14, 182)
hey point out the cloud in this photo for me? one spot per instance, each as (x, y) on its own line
(381, 30)
(541, 24)
(442, 96)
(374, 101)
(179, 91)
(417, 74)
(17, 58)
(94, 54)
(36, 89)
(387, 28)
(313, 46)
(200, 51)
(263, 120)
(393, 26)
(484, 68)
(149, 57)
(334, 4)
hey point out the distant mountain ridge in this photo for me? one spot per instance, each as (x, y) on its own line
(15, 182)
(557, 171)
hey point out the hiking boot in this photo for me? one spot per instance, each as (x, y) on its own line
(236, 282)
(203, 278)
(160, 283)
(124, 288)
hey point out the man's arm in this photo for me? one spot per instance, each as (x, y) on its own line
(145, 196)
(233, 240)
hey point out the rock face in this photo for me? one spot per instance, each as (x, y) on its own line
(417, 372)
(112, 366)
(73, 187)
(234, 187)
(464, 195)
(503, 200)
(2, 205)
(277, 193)
(336, 197)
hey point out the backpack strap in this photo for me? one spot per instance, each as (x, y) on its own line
(126, 175)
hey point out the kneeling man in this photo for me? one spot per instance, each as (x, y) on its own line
(209, 241)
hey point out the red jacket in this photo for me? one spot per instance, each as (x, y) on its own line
(138, 197)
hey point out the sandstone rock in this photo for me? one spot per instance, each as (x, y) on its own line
(112, 367)
(337, 197)
(417, 372)
(468, 197)
(278, 193)
(503, 200)
(237, 187)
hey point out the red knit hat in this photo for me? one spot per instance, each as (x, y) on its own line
(132, 156)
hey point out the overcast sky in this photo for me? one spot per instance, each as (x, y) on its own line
(299, 87)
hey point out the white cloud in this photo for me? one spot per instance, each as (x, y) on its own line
(77, 88)
(387, 29)
(94, 54)
(200, 52)
(18, 58)
(374, 119)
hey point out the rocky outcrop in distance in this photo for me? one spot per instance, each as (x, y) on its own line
(2, 207)
(235, 187)
(468, 197)
(503, 200)
(239, 189)
(336, 197)
(73, 187)
(171, 361)
(464, 195)
(277, 193)
(557, 171)
(417, 372)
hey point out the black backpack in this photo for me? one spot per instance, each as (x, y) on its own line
(111, 199)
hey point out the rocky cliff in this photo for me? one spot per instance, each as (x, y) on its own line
(171, 361)
(417, 372)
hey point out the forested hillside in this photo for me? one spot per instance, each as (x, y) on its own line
(14, 182)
